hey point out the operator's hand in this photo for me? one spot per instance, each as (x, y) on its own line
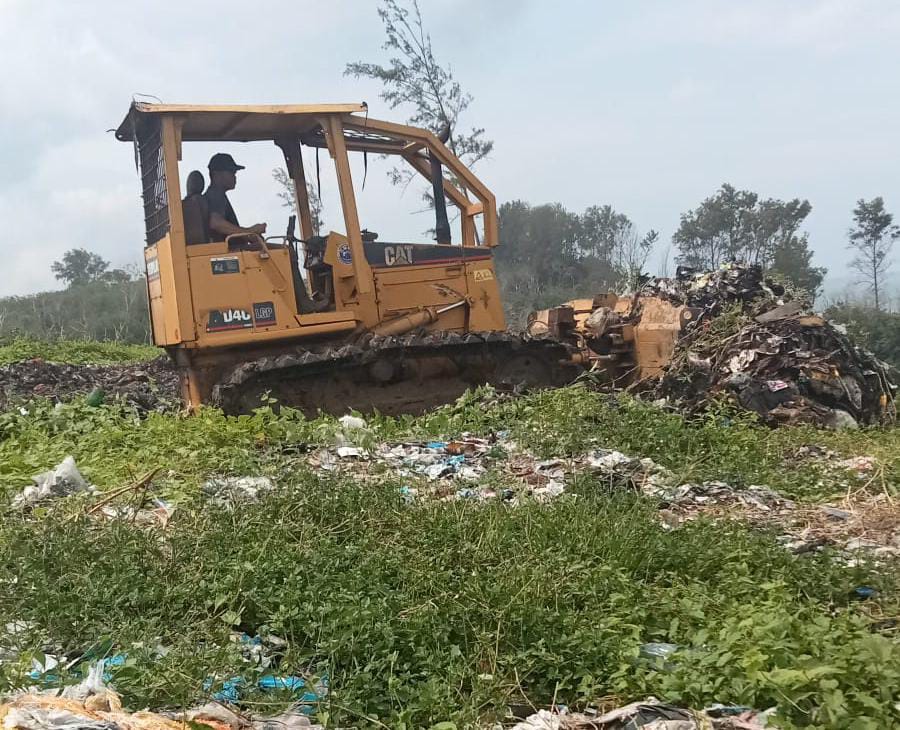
(259, 228)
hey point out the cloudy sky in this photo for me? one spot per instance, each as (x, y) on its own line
(646, 105)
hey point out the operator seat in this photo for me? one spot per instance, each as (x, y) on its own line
(195, 210)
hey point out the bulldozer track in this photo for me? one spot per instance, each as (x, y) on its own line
(395, 375)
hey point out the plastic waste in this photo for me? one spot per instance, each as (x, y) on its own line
(351, 428)
(350, 452)
(658, 650)
(95, 397)
(864, 592)
(233, 689)
(650, 715)
(49, 712)
(231, 490)
(351, 423)
(60, 481)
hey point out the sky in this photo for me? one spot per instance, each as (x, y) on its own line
(648, 106)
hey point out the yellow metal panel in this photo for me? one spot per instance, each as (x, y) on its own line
(181, 318)
(486, 310)
(656, 335)
(165, 311)
(155, 293)
(233, 293)
(236, 122)
(402, 290)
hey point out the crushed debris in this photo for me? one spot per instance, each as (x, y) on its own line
(776, 357)
(150, 386)
(715, 291)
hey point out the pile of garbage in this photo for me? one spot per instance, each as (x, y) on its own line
(150, 386)
(713, 291)
(774, 355)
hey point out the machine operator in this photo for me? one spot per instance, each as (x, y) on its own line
(222, 219)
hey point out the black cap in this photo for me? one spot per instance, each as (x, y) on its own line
(223, 161)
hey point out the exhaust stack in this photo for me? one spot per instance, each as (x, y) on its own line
(441, 222)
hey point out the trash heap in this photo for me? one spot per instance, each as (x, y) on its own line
(714, 291)
(750, 339)
(150, 386)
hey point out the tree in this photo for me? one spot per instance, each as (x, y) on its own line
(289, 200)
(717, 230)
(736, 225)
(549, 255)
(872, 238)
(79, 266)
(631, 253)
(601, 228)
(792, 259)
(414, 78)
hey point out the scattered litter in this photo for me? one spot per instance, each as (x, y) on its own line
(233, 490)
(468, 468)
(864, 592)
(220, 717)
(233, 689)
(61, 481)
(651, 715)
(862, 465)
(103, 711)
(657, 650)
(450, 469)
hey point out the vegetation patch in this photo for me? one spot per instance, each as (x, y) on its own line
(416, 613)
(16, 348)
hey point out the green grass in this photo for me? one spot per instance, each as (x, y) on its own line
(76, 352)
(427, 613)
(434, 612)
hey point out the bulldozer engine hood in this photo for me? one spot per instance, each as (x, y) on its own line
(411, 254)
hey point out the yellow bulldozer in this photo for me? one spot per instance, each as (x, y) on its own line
(329, 323)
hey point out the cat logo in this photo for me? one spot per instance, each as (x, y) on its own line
(398, 255)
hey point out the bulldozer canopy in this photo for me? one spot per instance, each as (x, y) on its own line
(235, 123)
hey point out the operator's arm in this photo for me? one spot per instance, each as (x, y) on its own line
(218, 209)
(218, 224)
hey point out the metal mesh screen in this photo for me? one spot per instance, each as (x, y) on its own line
(153, 179)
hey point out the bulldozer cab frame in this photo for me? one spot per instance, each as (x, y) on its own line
(209, 302)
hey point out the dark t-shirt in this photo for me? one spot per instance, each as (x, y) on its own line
(218, 202)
